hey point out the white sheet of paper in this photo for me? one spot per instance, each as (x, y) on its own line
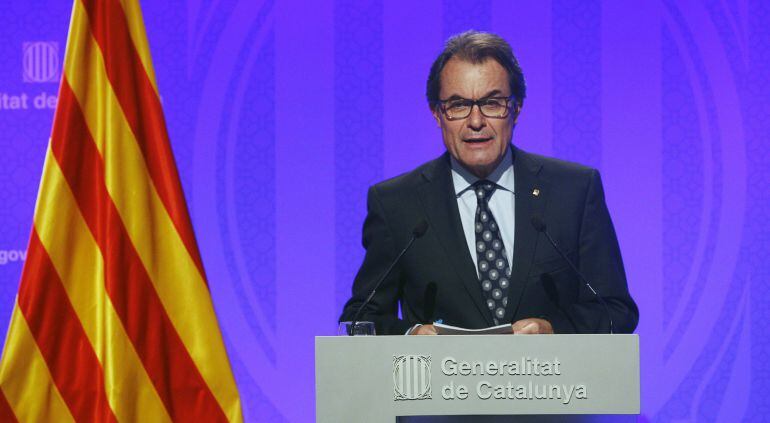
(443, 329)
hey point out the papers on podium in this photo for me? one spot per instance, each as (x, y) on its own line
(443, 329)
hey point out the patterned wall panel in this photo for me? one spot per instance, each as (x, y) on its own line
(358, 114)
(245, 181)
(755, 93)
(461, 16)
(705, 388)
(683, 175)
(576, 56)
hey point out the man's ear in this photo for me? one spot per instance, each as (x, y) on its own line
(516, 113)
(436, 115)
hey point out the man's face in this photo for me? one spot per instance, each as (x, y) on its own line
(477, 142)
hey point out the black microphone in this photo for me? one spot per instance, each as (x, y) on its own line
(418, 231)
(539, 225)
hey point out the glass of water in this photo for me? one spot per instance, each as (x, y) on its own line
(362, 328)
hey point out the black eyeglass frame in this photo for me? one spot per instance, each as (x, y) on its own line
(510, 103)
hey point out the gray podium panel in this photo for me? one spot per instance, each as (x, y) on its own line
(377, 378)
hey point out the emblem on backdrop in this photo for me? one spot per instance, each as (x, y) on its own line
(411, 377)
(40, 61)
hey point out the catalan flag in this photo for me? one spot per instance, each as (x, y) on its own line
(113, 319)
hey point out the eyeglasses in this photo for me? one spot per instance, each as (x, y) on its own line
(491, 107)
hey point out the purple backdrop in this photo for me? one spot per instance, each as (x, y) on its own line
(282, 113)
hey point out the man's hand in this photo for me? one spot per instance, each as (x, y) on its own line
(532, 326)
(424, 330)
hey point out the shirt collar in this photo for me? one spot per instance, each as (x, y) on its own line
(502, 175)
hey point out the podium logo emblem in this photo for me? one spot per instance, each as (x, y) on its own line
(411, 377)
(41, 61)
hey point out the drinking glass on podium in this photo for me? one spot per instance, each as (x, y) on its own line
(362, 328)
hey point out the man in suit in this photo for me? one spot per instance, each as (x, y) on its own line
(482, 262)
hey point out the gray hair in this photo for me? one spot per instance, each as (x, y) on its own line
(476, 47)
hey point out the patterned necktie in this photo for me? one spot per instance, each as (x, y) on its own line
(494, 271)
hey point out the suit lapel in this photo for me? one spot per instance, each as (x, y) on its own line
(440, 204)
(531, 195)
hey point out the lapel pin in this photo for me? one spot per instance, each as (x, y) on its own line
(536, 192)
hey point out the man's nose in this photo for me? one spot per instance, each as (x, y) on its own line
(476, 120)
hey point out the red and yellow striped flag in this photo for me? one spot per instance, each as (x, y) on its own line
(113, 320)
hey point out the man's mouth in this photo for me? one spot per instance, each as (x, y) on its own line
(477, 140)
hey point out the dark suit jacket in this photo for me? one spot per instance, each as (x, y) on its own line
(570, 201)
